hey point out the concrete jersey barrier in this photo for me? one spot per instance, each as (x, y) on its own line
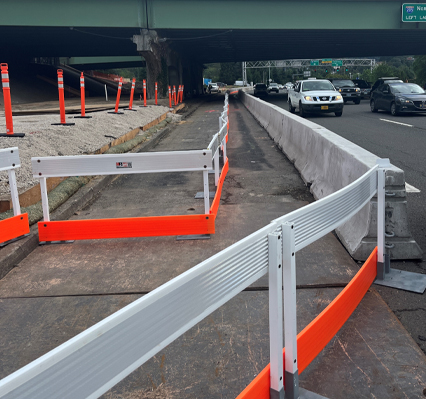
(327, 162)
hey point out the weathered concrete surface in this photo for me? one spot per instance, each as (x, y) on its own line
(329, 162)
(88, 280)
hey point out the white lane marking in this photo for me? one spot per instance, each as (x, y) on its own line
(398, 123)
(411, 189)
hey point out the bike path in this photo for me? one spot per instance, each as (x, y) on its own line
(60, 290)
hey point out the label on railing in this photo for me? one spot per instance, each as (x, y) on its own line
(123, 164)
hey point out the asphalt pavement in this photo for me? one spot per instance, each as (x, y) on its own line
(402, 139)
(59, 290)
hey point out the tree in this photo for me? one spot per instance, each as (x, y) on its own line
(419, 67)
(383, 70)
(230, 72)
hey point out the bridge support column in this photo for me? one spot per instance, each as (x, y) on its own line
(166, 66)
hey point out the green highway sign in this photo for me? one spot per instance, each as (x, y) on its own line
(314, 63)
(413, 12)
(336, 63)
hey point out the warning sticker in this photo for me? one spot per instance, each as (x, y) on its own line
(120, 165)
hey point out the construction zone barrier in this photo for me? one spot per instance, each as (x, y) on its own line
(83, 98)
(7, 100)
(61, 91)
(144, 93)
(17, 226)
(170, 97)
(156, 95)
(115, 164)
(132, 93)
(87, 365)
(117, 101)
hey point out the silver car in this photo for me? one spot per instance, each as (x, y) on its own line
(213, 88)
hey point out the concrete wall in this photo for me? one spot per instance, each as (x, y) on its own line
(328, 162)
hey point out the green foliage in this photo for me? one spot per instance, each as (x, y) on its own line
(211, 71)
(419, 67)
(230, 72)
(383, 70)
(130, 73)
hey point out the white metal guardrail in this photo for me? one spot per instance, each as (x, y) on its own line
(98, 358)
(219, 139)
(109, 164)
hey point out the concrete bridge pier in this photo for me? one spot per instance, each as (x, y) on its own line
(166, 67)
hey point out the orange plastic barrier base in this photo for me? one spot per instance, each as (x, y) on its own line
(125, 227)
(216, 201)
(14, 227)
(314, 337)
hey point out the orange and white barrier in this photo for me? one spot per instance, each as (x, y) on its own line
(17, 226)
(156, 162)
(202, 290)
(132, 92)
(117, 101)
(7, 103)
(62, 100)
(170, 97)
(83, 98)
(144, 93)
(156, 98)
(174, 95)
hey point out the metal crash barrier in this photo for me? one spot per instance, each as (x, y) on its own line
(91, 363)
(117, 164)
(17, 226)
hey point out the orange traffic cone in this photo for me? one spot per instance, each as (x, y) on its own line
(62, 100)
(83, 99)
(7, 104)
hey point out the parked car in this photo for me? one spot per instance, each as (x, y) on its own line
(381, 81)
(315, 96)
(398, 98)
(260, 90)
(221, 84)
(273, 87)
(364, 86)
(347, 88)
(213, 88)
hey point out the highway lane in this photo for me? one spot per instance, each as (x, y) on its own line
(402, 139)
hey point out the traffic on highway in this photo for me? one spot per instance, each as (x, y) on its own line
(401, 137)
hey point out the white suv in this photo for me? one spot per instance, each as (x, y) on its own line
(315, 96)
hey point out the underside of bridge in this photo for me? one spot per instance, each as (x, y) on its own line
(188, 33)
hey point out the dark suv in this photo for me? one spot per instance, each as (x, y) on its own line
(384, 80)
(347, 89)
(364, 86)
(260, 90)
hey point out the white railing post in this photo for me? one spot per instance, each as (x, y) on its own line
(224, 150)
(290, 312)
(206, 192)
(14, 192)
(381, 204)
(216, 168)
(275, 316)
(44, 199)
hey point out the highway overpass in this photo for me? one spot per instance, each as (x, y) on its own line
(187, 33)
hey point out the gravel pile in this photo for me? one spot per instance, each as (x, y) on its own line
(86, 136)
